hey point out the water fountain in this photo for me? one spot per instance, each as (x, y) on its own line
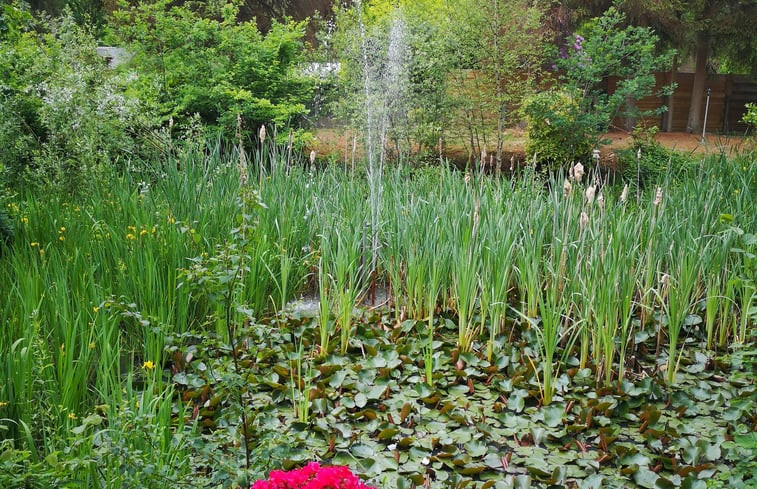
(384, 86)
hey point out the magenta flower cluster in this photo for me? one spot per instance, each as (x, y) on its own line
(312, 476)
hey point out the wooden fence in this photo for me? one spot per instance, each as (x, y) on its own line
(728, 98)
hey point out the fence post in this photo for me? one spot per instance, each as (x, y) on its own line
(706, 109)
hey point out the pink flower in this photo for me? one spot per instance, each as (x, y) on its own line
(312, 476)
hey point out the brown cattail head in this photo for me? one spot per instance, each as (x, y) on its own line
(583, 220)
(665, 280)
(591, 190)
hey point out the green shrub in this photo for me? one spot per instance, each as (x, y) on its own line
(656, 164)
(6, 231)
(750, 117)
(558, 130)
(566, 123)
(190, 62)
(67, 117)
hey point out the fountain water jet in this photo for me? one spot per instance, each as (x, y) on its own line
(384, 87)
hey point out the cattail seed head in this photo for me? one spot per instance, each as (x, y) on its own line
(601, 201)
(657, 196)
(578, 172)
(566, 188)
(624, 194)
(665, 280)
(590, 192)
(583, 220)
(312, 157)
(261, 133)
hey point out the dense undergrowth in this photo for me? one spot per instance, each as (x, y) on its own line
(537, 331)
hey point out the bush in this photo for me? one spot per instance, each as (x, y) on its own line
(581, 111)
(656, 164)
(750, 116)
(66, 116)
(193, 63)
(6, 231)
(558, 131)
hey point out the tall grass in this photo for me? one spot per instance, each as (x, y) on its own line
(91, 288)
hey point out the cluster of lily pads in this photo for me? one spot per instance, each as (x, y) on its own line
(531, 333)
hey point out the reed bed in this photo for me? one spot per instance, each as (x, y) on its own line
(93, 286)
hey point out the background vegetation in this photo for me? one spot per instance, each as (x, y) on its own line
(550, 324)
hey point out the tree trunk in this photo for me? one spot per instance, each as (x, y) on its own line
(694, 124)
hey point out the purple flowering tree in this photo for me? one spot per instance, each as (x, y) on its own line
(567, 122)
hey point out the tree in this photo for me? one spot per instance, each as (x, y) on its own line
(707, 30)
(470, 64)
(504, 42)
(193, 63)
(567, 122)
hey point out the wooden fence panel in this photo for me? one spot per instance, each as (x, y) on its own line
(728, 98)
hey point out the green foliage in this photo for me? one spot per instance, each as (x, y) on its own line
(469, 64)
(193, 63)
(67, 117)
(585, 110)
(559, 130)
(81, 370)
(654, 163)
(6, 227)
(750, 117)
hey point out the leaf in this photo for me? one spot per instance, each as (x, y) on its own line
(387, 433)
(360, 400)
(553, 415)
(362, 451)
(645, 478)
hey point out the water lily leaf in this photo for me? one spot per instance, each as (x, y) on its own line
(538, 435)
(693, 483)
(517, 400)
(493, 461)
(360, 400)
(376, 392)
(472, 470)
(362, 451)
(553, 415)
(387, 433)
(522, 482)
(594, 481)
(338, 378)
(476, 448)
(645, 478)
(693, 320)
